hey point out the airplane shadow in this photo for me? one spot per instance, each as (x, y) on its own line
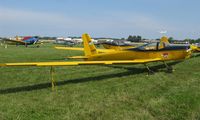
(60, 59)
(130, 71)
(155, 68)
(196, 55)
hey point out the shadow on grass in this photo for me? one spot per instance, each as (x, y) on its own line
(130, 71)
(155, 68)
(196, 55)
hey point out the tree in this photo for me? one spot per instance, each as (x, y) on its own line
(171, 39)
(198, 40)
(122, 38)
(130, 38)
(134, 38)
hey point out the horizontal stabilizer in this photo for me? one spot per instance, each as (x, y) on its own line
(82, 49)
(69, 48)
(14, 41)
(78, 57)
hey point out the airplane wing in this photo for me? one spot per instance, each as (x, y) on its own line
(14, 41)
(136, 61)
(82, 49)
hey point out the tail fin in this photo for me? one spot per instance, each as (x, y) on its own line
(163, 42)
(164, 39)
(89, 47)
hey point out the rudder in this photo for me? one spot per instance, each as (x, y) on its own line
(89, 47)
(163, 42)
(164, 39)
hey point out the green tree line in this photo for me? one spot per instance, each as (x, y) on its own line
(134, 38)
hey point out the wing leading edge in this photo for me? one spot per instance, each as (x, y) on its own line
(136, 61)
(15, 41)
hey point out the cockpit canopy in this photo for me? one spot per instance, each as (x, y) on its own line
(153, 46)
(159, 46)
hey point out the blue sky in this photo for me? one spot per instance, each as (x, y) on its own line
(100, 18)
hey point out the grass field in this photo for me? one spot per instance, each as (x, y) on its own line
(120, 92)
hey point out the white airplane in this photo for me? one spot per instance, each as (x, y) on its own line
(163, 32)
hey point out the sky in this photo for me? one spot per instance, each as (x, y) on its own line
(100, 18)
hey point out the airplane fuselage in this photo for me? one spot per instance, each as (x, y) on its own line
(31, 40)
(131, 54)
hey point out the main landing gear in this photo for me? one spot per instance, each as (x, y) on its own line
(169, 68)
(150, 72)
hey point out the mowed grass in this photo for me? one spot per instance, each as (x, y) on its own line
(121, 92)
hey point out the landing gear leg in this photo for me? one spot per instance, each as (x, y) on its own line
(150, 72)
(169, 68)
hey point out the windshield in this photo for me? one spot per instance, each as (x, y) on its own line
(153, 46)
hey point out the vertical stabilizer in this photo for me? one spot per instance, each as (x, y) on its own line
(89, 47)
(164, 39)
(163, 42)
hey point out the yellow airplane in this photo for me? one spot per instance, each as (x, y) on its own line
(152, 52)
(160, 50)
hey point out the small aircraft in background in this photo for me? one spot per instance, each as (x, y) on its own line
(29, 40)
(163, 32)
(65, 41)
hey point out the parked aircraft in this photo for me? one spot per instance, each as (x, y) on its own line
(29, 40)
(65, 41)
(153, 52)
